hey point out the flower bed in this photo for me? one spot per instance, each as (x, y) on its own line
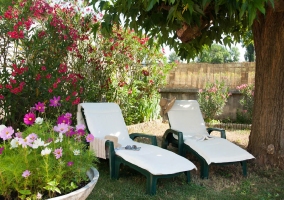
(44, 160)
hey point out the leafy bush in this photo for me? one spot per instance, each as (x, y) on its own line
(59, 51)
(245, 116)
(213, 99)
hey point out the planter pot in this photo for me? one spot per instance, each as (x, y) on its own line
(84, 192)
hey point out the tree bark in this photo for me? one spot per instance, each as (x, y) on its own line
(266, 140)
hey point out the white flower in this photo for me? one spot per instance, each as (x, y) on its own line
(38, 196)
(15, 142)
(76, 152)
(39, 120)
(37, 143)
(46, 151)
(60, 138)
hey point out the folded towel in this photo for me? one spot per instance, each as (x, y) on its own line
(114, 139)
(98, 145)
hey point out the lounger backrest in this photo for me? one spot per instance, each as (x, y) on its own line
(185, 116)
(105, 119)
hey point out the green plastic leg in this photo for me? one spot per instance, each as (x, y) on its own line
(187, 173)
(151, 184)
(244, 166)
(204, 174)
(117, 166)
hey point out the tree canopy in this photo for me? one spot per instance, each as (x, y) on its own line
(217, 54)
(187, 25)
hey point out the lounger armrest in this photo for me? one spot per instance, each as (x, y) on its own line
(222, 131)
(152, 137)
(168, 136)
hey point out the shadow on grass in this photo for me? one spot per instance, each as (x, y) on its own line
(225, 182)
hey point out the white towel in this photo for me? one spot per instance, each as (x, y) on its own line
(98, 145)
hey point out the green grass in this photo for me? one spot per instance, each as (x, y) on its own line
(224, 183)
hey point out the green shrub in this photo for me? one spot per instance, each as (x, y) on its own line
(245, 115)
(213, 99)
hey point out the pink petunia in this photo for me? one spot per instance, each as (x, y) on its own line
(61, 128)
(40, 107)
(29, 118)
(26, 174)
(55, 101)
(7, 133)
(58, 153)
(90, 138)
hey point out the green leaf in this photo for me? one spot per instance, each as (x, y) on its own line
(151, 4)
(25, 192)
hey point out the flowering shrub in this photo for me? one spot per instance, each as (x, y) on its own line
(213, 99)
(44, 160)
(59, 51)
(245, 115)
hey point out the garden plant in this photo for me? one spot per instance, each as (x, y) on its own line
(51, 50)
(49, 158)
(245, 115)
(212, 99)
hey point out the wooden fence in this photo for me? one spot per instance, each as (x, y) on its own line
(196, 75)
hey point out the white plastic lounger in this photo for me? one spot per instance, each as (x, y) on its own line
(105, 119)
(189, 133)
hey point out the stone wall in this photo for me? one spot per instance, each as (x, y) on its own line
(184, 81)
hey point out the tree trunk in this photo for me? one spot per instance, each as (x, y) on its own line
(266, 140)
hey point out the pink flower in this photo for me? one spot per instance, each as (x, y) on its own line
(40, 107)
(55, 101)
(58, 153)
(26, 174)
(90, 138)
(1, 150)
(7, 133)
(63, 119)
(25, 142)
(70, 163)
(29, 118)
(80, 126)
(61, 128)
(32, 137)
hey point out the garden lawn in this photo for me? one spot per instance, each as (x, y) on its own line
(225, 182)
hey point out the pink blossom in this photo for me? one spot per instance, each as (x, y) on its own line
(32, 137)
(61, 128)
(63, 119)
(26, 174)
(29, 118)
(58, 153)
(7, 133)
(25, 142)
(80, 126)
(70, 163)
(40, 107)
(90, 138)
(1, 150)
(55, 101)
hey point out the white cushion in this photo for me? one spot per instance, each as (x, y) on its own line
(218, 150)
(186, 116)
(106, 119)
